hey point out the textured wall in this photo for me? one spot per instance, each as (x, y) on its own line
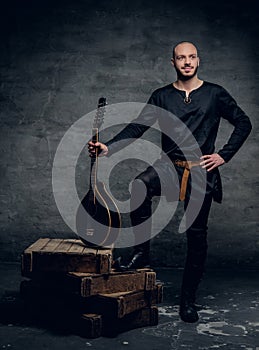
(59, 57)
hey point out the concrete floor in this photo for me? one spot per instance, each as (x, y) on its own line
(229, 318)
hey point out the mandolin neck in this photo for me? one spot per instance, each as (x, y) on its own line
(94, 160)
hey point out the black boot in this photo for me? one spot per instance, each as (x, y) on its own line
(140, 258)
(191, 279)
(188, 311)
(138, 261)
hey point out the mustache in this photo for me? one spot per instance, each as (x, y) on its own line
(181, 76)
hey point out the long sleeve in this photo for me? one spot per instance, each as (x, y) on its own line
(242, 126)
(135, 129)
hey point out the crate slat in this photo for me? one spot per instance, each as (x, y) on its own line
(63, 247)
(77, 247)
(118, 305)
(62, 256)
(90, 284)
(50, 247)
(26, 258)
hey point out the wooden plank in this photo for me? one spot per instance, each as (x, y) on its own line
(77, 246)
(103, 251)
(71, 262)
(64, 255)
(26, 258)
(118, 305)
(63, 247)
(50, 247)
(37, 245)
(93, 284)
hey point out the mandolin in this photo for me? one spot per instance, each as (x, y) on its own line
(98, 220)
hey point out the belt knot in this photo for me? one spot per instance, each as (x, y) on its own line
(187, 165)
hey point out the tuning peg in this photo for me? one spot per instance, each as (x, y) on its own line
(102, 102)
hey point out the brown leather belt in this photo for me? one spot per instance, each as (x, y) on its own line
(187, 165)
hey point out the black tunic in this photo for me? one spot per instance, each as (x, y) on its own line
(209, 103)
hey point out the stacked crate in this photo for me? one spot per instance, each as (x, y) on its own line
(74, 287)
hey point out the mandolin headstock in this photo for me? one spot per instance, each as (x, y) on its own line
(98, 120)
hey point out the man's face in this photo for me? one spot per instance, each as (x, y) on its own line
(186, 61)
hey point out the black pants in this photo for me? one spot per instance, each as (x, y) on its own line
(150, 182)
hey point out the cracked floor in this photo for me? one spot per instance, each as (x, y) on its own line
(229, 318)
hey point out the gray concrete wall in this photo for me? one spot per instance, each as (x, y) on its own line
(57, 58)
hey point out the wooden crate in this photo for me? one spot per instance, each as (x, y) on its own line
(86, 284)
(95, 324)
(117, 305)
(62, 256)
(74, 287)
(90, 284)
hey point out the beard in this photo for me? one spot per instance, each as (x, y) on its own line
(183, 77)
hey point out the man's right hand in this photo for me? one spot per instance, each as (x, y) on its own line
(97, 148)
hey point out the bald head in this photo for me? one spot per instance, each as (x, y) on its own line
(182, 45)
(185, 60)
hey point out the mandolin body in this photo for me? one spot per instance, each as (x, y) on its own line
(98, 220)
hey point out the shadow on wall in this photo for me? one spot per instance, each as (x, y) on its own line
(57, 59)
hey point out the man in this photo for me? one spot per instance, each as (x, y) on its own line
(199, 105)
